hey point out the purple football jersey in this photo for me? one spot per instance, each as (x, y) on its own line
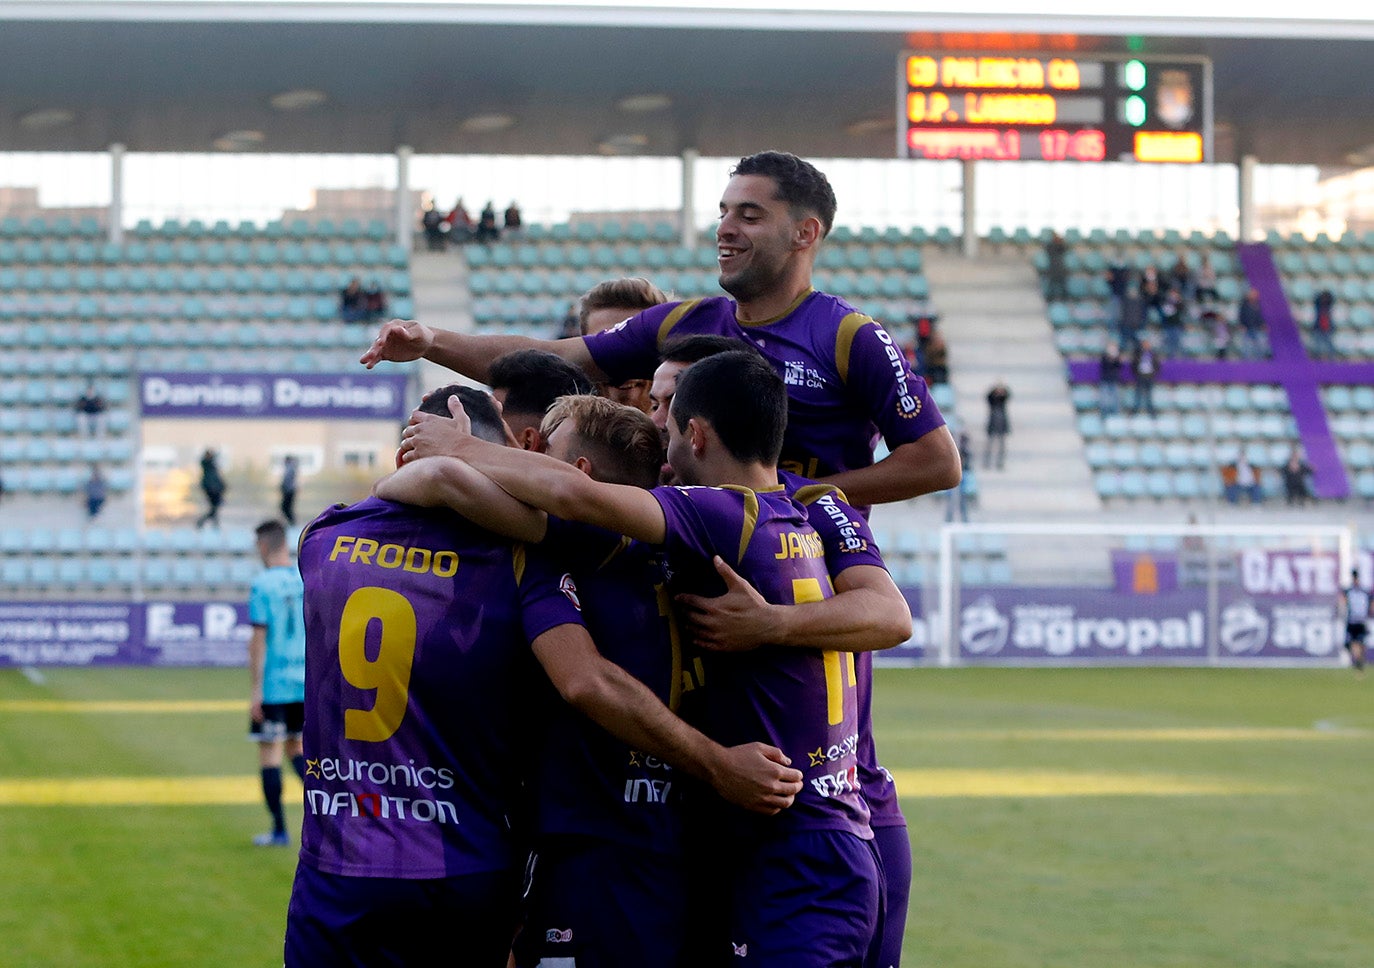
(588, 782)
(849, 541)
(803, 701)
(417, 626)
(847, 382)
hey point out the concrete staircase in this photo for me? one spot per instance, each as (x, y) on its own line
(438, 282)
(993, 320)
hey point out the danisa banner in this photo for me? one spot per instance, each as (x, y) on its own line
(124, 633)
(307, 396)
(1034, 626)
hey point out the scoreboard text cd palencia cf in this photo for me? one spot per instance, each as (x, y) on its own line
(1028, 107)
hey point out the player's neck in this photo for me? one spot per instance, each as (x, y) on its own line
(778, 303)
(756, 477)
(279, 560)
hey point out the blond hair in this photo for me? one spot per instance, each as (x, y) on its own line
(632, 294)
(622, 443)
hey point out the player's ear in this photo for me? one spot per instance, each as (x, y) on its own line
(529, 439)
(585, 466)
(697, 432)
(806, 233)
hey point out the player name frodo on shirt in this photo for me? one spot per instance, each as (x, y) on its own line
(379, 806)
(907, 405)
(365, 551)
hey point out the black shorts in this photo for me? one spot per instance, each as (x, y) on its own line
(280, 720)
(1355, 632)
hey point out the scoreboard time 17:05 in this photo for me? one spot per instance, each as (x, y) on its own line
(1053, 108)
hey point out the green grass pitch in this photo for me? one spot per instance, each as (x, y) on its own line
(1060, 818)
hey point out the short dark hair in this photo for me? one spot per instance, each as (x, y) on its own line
(271, 533)
(534, 379)
(693, 349)
(634, 294)
(480, 408)
(799, 183)
(742, 397)
(622, 443)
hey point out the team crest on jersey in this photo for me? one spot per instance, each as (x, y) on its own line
(568, 587)
(741, 950)
(555, 936)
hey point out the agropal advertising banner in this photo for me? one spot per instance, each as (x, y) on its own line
(300, 396)
(1032, 626)
(123, 633)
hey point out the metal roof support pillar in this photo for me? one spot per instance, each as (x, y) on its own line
(404, 216)
(115, 226)
(689, 181)
(970, 195)
(1246, 192)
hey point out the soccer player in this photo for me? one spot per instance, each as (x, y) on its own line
(607, 304)
(742, 619)
(419, 722)
(802, 886)
(1355, 605)
(525, 384)
(276, 664)
(846, 380)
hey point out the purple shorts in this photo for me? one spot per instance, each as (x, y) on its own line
(596, 904)
(362, 922)
(808, 900)
(894, 857)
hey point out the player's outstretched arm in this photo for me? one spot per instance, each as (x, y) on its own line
(923, 466)
(403, 340)
(542, 481)
(755, 776)
(448, 482)
(867, 613)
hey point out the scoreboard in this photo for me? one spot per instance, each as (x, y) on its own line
(1001, 107)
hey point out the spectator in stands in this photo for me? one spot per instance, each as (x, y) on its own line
(1109, 380)
(1323, 323)
(936, 358)
(1215, 323)
(514, 222)
(1251, 319)
(290, 472)
(212, 484)
(96, 492)
(352, 302)
(91, 405)
(1151, 293)
(1181, 278)
(999, 424)
(487, 229)
(1120, 280)
(1243, 479)
(1171, 322)
(1144, 368)
(1297, 477)
(571, 325)
(374, 301)
(603, 306)
(1057, 272)
(957, 496)
(925, 329)
(459, 223)
(1206, 280)
(432, 221)
(1130, 320)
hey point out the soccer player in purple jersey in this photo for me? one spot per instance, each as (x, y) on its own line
(739, 619)
(803, 886)
(414, 736)
(846, 381)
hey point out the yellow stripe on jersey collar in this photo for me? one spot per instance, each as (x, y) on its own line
(749, 324)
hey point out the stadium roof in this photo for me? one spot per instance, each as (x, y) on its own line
(528, 78)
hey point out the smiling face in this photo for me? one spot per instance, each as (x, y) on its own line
(755, 238)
